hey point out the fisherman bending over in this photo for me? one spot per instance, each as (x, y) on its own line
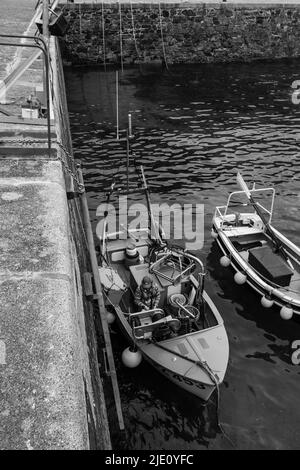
(147, 295)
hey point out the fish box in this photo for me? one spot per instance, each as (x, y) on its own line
(270, 265)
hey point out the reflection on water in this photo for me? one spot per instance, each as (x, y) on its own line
(194, 127)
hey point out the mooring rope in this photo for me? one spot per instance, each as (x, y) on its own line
(103, 35)
(121, 36)
(133, 30)
(162, 36)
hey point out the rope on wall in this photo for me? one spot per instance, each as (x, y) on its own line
(162, 36)
(103, 36)
(133, 31)
(121, 36)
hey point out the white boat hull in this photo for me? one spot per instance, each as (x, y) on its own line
(199, 389)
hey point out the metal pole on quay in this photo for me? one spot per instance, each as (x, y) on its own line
(46, 36)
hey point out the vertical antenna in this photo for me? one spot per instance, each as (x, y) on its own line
(117, 102)
(127, 161)
(129, 126)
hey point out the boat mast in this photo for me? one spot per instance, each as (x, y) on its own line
(117, 103)
(105, 220)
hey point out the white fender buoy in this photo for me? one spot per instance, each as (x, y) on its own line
(110, 317)
(131, 358)
(225, 261)
(267, 302)
(240, 278)
(213, 234)
(286, 313)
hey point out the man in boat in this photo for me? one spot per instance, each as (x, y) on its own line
(147, 294)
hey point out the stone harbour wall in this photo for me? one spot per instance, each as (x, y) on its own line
(180, 33)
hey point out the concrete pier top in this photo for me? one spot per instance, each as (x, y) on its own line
(42, 396)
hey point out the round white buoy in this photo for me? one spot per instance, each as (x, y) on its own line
(225, 261)
(266, 302)
(110, 317)
(131, 358)
(286, 313)
(213, 234)
(240, 278)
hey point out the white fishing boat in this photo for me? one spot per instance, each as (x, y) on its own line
(183, 336)
(259, 254)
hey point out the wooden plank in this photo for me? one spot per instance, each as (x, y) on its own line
(100, 299)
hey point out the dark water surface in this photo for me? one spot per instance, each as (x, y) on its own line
(193, 128)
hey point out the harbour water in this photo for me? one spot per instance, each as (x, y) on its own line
(194, 127)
